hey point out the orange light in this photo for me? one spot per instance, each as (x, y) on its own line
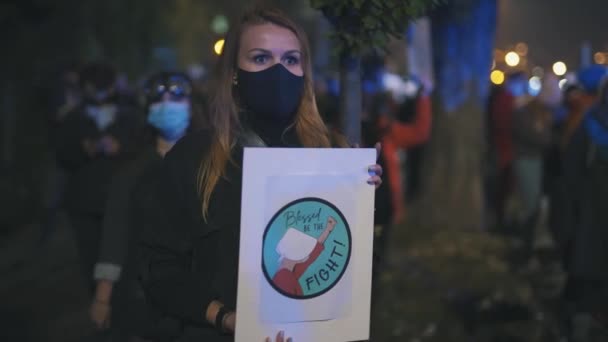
(600, 58)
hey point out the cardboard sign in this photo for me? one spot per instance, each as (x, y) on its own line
(306, 244)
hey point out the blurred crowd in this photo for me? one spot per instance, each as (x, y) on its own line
(548, 153)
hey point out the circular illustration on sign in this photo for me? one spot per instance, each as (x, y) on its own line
(306, 248)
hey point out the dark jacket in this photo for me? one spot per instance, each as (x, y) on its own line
(90, 176)
(587, 183)
(118, 251)
(531, 130)
(187, 262)
(117, 218)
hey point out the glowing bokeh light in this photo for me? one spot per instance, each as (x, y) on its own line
(219, 46)
(512, 59)
(600, 58)
(560, 68)
(497, 77)
(535, 85)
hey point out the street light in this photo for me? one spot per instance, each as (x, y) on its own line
(560, 69)
(512, 59)
(497, 77)
(219, 46)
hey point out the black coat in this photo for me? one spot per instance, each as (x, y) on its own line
(187, 262)
(118, 245)
(587, 190)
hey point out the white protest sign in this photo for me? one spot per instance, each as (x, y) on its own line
(306, 244)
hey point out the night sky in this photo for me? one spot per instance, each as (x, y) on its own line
(553, 29)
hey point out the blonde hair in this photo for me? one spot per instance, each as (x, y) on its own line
(223, 115)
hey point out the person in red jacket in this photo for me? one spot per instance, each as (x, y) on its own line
(399, 119)
(402, 135)
(501, 129)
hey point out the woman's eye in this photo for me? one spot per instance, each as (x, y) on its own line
(292, 60)
(261, 59)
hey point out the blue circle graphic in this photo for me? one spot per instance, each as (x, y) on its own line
(306, 248)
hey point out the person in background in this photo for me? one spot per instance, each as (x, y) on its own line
(554, 175)
(65, 98)
(262, 96)
(169, 113)
(532, 133)
(579, 100)
(589, 79)
(399, 124)
(586, 170)
(504, 103)
(415, 104)
(401, 131)
(94, 140)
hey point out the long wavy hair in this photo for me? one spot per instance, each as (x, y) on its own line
(223, 112)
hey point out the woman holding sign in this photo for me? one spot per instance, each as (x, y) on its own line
(263, 96)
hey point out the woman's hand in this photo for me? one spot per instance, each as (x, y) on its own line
(375, 171)
(230, 323)
(100, 308)
(280, 338)
(100, 314)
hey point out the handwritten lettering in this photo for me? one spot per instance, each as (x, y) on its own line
(293, 218)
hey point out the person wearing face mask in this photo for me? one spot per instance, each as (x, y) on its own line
(168, 98)
(94, 140)
(189, 243)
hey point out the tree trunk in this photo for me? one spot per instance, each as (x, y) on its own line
(350, 98)
(452, 169)
(463, 40)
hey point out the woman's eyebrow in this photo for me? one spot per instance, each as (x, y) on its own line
(260, 50)
(295, 51)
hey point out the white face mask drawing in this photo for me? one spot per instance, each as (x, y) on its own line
(296, 246)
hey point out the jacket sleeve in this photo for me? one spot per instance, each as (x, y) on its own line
(116, 224)
(418, 132)
(166, 245)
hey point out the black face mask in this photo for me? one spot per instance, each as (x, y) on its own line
(274, 93)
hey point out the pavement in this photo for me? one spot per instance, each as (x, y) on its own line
(437, 285)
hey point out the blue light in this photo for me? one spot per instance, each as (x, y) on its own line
(535, 86)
